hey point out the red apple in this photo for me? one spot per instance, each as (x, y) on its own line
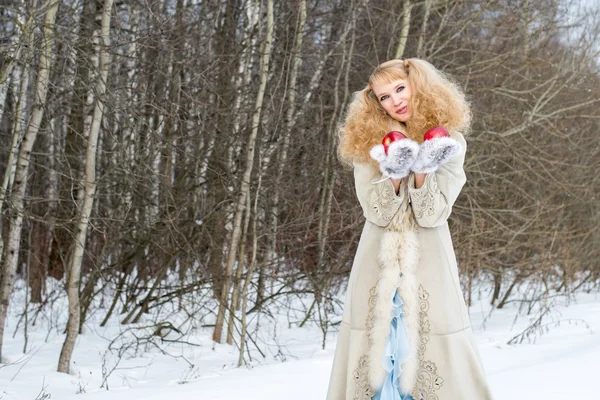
(391, 137)
(438, 131)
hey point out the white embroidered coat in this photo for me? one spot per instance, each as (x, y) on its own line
(447, 365)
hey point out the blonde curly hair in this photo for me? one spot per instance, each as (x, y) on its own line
(436, 100)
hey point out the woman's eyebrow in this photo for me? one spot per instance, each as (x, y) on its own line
(400, 83)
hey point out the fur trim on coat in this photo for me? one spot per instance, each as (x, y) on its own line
(398, 258)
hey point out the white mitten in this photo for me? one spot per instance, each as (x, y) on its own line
(434, 153)
(400, 157)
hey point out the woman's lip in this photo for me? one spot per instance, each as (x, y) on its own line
(401, 110)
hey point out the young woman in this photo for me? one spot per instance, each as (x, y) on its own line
(405, 332)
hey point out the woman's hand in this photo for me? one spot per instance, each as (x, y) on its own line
(419, 180)
(396, 183)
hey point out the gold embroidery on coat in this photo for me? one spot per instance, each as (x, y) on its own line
(363, 390)
(428, 380)
(423, 200)
(384, 201)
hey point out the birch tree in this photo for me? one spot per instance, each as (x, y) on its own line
(9, 267)
(406, 11)
(296, 61)
(20, 82)
(20, 28)
(244, 77)
(86, 199)
(241, 202)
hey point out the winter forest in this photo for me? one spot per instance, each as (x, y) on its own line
(170, 181)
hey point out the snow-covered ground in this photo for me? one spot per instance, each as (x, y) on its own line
(557, 361)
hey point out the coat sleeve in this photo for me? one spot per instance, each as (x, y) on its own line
(379, 200)
(432, 203)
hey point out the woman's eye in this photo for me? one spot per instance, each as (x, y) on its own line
(400, 88)
(383, 98)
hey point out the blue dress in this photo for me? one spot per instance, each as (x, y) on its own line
(396, 351)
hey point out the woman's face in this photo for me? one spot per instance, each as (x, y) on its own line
(395, 97)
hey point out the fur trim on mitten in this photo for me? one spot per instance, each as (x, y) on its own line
(434, 153)
(401, 156)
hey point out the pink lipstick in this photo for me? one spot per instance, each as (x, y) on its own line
(402, 110)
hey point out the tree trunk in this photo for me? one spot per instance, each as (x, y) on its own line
(9, 60)
(497, 287)
(86, 201)
(9, 267)
(234, 306)
(407, 7)
(236, 233)
(314, 82)
(421, 41)
(249, 273)
(509, 291)
(272, 256)
(20, 74)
